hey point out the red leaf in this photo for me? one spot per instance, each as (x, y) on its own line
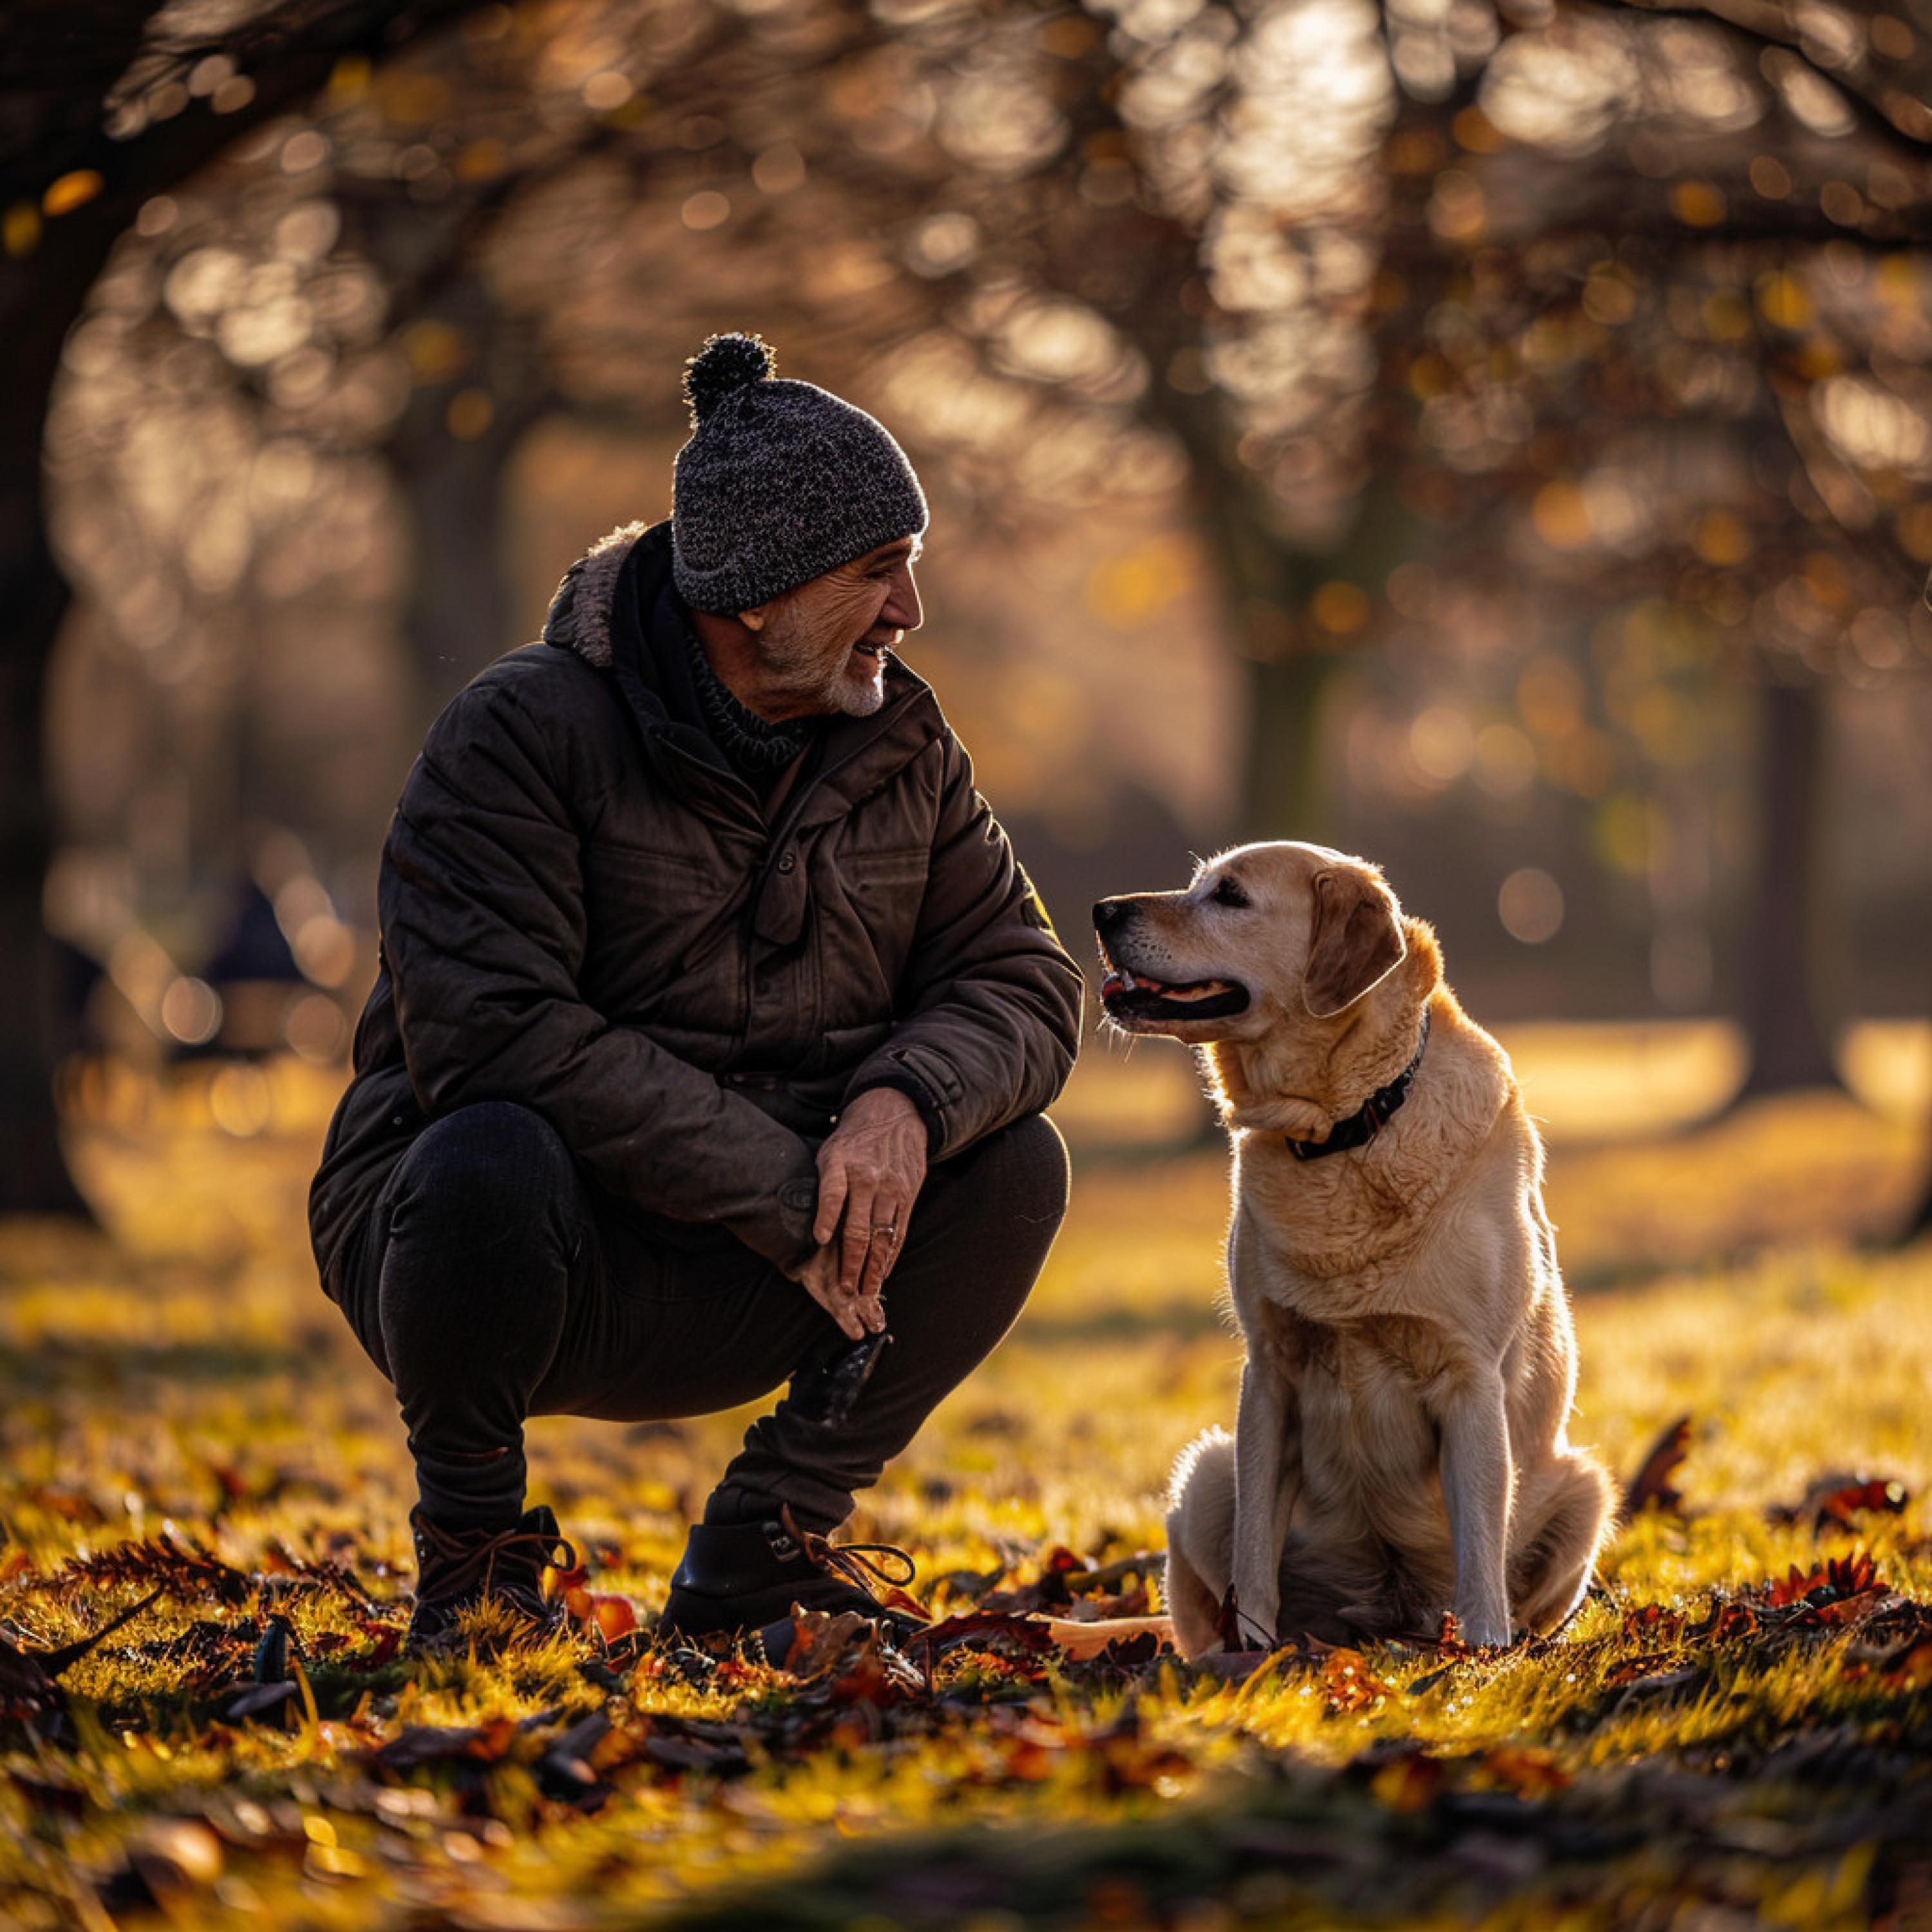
(1651, 1487)
(1350, 1683)
(1027, 1632)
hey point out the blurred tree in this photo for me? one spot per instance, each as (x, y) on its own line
(1704, 300)
(1462, 317)
(1644, 315)
(101, 107)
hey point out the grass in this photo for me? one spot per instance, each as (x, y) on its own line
(1694, 1747)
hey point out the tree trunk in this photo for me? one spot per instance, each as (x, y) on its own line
(1271, 588)
(55, 85)
(1788, 1049)
(1264, 585)
(1920, 1220)
(34, 594)
(458, 615)
(33, 1177)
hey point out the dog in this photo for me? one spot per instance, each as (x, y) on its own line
(1399, 1447)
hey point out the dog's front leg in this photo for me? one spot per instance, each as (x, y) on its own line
(1476, 1477)
(1264, 1497)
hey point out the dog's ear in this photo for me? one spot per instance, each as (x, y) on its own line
(1356, 943)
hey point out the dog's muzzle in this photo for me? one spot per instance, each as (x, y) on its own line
(1126, 993)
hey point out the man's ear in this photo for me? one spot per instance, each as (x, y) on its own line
(1356, 943)
(754, 619)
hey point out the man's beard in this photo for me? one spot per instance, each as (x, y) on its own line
(797, 666)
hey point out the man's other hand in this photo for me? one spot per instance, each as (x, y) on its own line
(870, 1171)
(819, 1278)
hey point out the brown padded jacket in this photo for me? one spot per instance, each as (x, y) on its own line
(584, 909)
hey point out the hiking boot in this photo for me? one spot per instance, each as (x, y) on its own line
(459, 1570)
(742, 1578)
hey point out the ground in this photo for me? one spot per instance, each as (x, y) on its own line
(1735, 1730)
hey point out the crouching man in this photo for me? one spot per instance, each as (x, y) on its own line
(713, 1031)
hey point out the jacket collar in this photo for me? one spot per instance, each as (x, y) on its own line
(617, 609)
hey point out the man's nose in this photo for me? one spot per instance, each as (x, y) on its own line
(902, 609)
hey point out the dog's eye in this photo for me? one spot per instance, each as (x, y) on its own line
(1227, 893)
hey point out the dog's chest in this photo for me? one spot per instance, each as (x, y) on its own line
(1360, 1390)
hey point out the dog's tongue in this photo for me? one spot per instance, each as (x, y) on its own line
(1206, 990)
(1120, 981)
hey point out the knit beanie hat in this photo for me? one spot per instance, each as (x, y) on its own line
(781, 482)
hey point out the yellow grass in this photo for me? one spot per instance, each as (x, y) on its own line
(190, 1371)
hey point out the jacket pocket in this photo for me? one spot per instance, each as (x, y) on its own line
(662, 938)
(884, 891)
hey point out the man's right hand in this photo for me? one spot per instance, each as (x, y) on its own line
(857, 1317)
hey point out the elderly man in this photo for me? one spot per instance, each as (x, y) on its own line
(712, 1036)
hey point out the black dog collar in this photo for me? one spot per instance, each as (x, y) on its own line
(1371, 1117)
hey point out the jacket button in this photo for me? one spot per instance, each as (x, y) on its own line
(786, 861)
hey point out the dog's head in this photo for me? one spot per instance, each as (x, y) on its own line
(1260, 934)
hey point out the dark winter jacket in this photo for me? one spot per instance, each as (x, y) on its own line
(583, 910)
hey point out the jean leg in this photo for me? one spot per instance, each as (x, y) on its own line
(462, 1295)
(978, 1236)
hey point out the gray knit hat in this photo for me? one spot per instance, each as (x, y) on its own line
(781, 482)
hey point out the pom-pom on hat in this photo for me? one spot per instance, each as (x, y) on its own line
(781, 482)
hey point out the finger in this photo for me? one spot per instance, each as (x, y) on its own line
(880, 1256)
(872, 1313)
(858, 1233)
(831, 1199)
(841, 1307)
(897, 1246)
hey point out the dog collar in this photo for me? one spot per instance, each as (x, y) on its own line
(1370, 1117)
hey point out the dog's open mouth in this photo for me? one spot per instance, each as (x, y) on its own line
(1133, 996)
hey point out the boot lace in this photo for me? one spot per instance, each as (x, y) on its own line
(464, 1560)
(855, 1562)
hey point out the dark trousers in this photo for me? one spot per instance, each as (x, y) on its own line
(492, 1281)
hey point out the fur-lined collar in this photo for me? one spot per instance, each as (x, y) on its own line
(580, 613)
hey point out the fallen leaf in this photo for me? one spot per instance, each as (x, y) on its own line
(1834, 1501)
(1348, 1683)
(1650, 1487)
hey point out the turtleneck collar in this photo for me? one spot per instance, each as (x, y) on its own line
(756, 749)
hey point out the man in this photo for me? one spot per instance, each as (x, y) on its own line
(713, 1029)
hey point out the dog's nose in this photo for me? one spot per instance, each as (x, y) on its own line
(1110, 914)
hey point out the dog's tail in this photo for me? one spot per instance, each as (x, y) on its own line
(1208, 1440)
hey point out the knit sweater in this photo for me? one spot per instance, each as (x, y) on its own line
(756, 749)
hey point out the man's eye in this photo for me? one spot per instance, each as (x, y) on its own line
(1227, 893)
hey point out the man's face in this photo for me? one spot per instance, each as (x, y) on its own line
(823, 646)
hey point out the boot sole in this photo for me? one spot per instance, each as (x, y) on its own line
(688, 1615)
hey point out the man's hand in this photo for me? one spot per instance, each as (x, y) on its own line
(870, 1171)
(819, 1278)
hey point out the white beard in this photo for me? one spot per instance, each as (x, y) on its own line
(798, 671)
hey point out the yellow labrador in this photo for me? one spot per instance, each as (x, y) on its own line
(1399, 1446)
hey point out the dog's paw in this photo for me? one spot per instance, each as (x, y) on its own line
(1485, 1633)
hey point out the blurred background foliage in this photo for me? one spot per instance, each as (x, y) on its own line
(1491, 437)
